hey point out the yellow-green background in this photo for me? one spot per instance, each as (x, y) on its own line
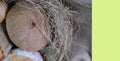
(106, 30)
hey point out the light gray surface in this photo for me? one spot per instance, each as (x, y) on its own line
(81, 45)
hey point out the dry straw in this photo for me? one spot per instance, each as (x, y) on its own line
(60, 34)
(61, 31)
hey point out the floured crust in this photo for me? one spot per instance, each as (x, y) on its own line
(22, 55)
(25, 26)
(14, 57)
(3, 11)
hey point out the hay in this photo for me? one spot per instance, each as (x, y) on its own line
(61, 31)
